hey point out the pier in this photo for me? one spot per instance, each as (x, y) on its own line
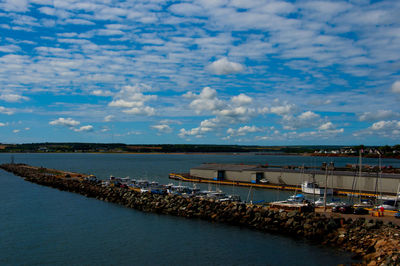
(371, 240)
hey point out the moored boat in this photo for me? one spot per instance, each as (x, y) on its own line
(313, 188)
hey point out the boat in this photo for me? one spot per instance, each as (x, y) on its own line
(391, 205)
(299, 198)
(309, 187)
(365, 203)
(333, 202)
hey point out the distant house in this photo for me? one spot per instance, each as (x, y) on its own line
(43, 149)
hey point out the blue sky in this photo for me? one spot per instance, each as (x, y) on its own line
(207, 71)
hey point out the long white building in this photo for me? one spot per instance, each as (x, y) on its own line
(344, 180)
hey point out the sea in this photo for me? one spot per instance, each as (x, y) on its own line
(44, 226)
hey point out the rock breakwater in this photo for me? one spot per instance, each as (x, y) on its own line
(371, 241)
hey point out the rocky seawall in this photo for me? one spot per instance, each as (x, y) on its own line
(372, 241)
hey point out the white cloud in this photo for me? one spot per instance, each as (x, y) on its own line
(7, 111)
(378, 115)
(186, 9)
(242, 99)
(242, 131)
(87, 128)
(205, 101)
(131, 97)
(326, 126)
(3, 124)
(206, 126)
(308, 115)
(146, 110)
(227, 113)
(68, 122)
(162, 128)
(225, 67)
(102, 93)
(16, 130)
(384, 125)
(396, 86)
(108, 118)
(306, 119)
(388, 129)
(10, 97)
(282, 109)
(15, 5)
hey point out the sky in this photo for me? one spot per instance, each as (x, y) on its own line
(200, 72)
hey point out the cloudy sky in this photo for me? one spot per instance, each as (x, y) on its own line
(206, 71)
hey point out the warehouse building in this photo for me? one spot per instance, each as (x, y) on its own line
(370, 182)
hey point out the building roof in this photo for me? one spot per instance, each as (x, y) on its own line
(225, 167)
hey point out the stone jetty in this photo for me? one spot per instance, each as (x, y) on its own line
(371, 241)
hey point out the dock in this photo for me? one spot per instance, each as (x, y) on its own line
(188, 178)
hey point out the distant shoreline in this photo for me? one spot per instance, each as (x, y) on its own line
(222, 153)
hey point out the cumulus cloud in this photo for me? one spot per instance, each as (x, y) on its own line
(3, 124)
(71, 124)
(326, 126)
(68, 122)
(225, 67)
(242, 99)
(396, 86)
(162, 128)
(87, 128)
(284, 109)
(242, 131)
(226, 112)
(388, 129)
(16, 131)
(206, 126)
(306, 119)
(133, 101)
(205, 101)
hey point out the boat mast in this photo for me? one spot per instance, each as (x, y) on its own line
(397, 194)
(359, 175)
(326, 185)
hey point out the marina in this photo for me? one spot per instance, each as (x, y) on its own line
(256, 248)
(263, 218)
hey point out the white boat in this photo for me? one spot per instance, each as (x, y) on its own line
(313, 188)
(391, 205)
(296, 198)
(364, 203)
(331, 203)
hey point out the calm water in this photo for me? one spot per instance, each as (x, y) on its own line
(40, 225)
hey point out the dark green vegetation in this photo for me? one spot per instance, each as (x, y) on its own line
(371, 151)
